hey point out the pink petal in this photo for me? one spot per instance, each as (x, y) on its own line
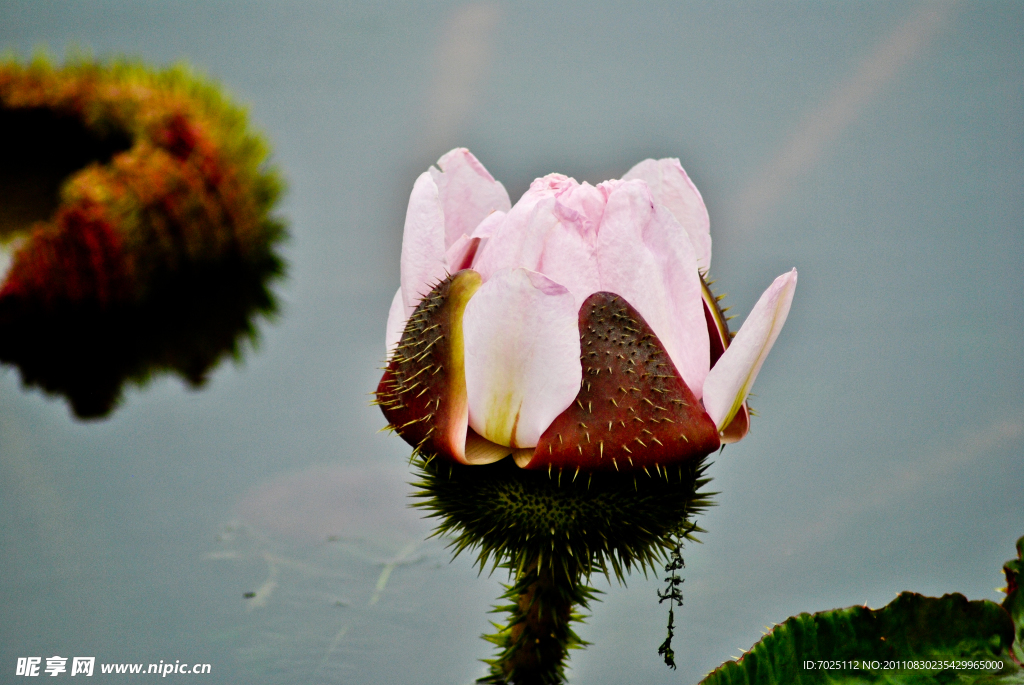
(423, 246)
(568, 254)
(462, 252)
(522, 351)
(672, 188)
(645, 257)
(396, 323)
(468, 193)
(552, 229)
(486, 227)
(518, 240)
(729, 382)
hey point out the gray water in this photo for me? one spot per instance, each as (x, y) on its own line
(877, 147)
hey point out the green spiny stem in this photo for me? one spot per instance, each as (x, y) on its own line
(536, 640)
(551, 534)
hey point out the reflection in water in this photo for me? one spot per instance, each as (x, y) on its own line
(135, 228)
(820, 127)
(322, 549)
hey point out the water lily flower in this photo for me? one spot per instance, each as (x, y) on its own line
(572, 330)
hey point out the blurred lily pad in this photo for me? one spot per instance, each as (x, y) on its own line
(136, 234)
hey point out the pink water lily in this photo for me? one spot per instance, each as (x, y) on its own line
(572, 330)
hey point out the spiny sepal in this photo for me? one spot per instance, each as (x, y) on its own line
(633, 410)
(423, 390)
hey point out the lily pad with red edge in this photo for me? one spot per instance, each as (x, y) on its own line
(135, 210)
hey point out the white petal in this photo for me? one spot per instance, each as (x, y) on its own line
(423, 247)
(672, 187)
(396, 323)
(729, 382)
(522, 351)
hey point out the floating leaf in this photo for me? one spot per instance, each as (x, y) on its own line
(914, 640)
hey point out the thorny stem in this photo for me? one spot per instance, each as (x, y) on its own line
(536, 641)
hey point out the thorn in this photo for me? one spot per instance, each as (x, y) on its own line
(615, 464)
(601, 453)
(575, 474)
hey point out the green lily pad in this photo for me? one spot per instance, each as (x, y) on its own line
(914, 640)
(1014, 602)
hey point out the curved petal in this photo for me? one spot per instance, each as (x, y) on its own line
(468, 193)
(553, 229)
(518, 241)
(644, 256)
(522, 351)
(396, 323)
(568, 253)
(462, 252)
(490, 223)
(729, 382)
(672, 188)
(423, 247)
